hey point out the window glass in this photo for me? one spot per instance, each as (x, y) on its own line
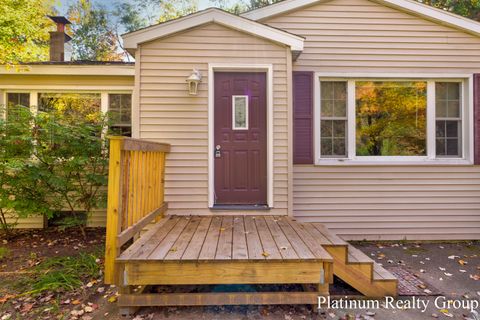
(14, 100)
(18, 99)
(391, 118)
(448, 119)
(70, 104)
(240, 112)
(333, 114)
(120, 113)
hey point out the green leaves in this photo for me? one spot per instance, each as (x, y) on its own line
(24, 27)
(55, 161)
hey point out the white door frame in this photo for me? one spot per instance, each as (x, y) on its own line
(212, 67)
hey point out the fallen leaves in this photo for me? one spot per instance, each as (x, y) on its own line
(265, 254)
(475, 277)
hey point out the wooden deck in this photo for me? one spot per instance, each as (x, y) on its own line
(215, 250)
(226, 238)
(203, 250)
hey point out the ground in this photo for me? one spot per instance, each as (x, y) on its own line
(55, 274)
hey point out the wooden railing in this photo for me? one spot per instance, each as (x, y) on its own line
(135, 193)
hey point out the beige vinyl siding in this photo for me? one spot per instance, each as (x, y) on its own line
(32, 222)
(168, 114)
(364, 36)
(384, 202)
(390, 202)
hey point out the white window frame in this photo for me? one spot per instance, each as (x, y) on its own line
(466, 82)
(234, 127)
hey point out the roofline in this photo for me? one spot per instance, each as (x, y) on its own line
(410, 6)
(133, 39)
(72, 70)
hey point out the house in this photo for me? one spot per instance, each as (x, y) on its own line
(313, 154)
(109, 86)
(271, 134)
(292, 115)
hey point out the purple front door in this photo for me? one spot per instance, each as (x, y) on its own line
(240, 138)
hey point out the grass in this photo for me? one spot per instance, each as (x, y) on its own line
(61, 274)
(4, 252)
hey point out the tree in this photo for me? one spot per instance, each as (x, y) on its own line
(466, 8)
(94, 35)
(24, 27)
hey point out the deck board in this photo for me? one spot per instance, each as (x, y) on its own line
(167, 243)
(209, 247)
(193, 249)
(300, 247)
(255, 249)
(239, 248)
(286, 249)
(179, 247)
(225, 239)
(312, 244)
(270, 248)
(228, 238)
(155, 240)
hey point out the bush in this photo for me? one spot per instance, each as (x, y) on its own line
(51, 163)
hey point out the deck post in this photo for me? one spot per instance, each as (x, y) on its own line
(113, 208)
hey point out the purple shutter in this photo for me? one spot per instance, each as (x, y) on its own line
(476, 117)
(302, 117)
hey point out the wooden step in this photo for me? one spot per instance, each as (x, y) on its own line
(353, 266)
(381, 274)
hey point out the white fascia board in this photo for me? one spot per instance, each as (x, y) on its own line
(74, 70)
(277, 8)
(410, 6)
(132, 40)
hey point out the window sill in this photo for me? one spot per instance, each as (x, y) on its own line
(399, 162)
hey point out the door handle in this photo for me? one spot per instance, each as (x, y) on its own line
(218, 153)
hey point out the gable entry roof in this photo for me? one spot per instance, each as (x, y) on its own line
(410, 6)
(133, 39)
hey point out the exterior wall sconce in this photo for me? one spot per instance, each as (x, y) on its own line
(193, 80)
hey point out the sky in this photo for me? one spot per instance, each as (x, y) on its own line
(62, 5)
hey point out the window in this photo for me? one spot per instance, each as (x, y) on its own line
(448, 119)
(333, 126)
(16, 99)
(74, 104)
(390, 120)
(240, 112)
(120, 113)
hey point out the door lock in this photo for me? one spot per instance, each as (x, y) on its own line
(218, 153)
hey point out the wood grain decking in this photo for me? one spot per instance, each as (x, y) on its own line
(226, 238)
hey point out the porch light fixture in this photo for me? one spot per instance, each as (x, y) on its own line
(193, 80)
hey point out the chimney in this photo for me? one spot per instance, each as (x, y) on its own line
(58, 39)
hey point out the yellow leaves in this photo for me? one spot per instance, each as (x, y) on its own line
(112, 299)
(462, 262)
(265, 254)
(222, 229)
(6, 297)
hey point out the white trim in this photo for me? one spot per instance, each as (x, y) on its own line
(104, 101)
(212, 67)
(71, 70)
(73, 88)
(410, 6)
(466, 82)
(133, 39)
(234, 97)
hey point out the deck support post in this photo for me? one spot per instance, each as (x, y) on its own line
(113, 208)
